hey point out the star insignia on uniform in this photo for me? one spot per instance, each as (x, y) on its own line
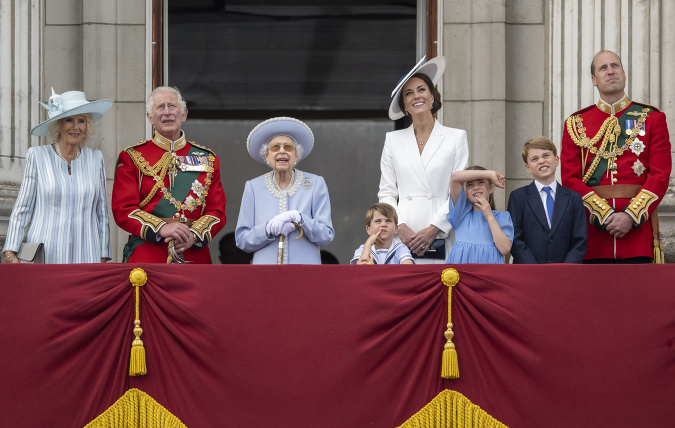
(638, 168)
(623, 105)
(190, 203)
(637, 147)
(603, 107)
(198, 188)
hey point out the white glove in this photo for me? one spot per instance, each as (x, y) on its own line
(275, 225)
(287, 228)
(295, 216)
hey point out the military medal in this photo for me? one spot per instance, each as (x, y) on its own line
(173, 169)
(631, 124)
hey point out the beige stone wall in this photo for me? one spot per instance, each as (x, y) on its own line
(494, 86)
(96, 46)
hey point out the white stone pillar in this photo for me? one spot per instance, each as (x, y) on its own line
(20, 71)
(642, 34)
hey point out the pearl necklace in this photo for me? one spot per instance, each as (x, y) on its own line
(58, 152)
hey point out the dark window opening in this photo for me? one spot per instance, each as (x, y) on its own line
(254, 59)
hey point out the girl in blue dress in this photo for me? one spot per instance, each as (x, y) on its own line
(482, 234)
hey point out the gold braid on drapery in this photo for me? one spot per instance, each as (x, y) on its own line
(136, 409)
(450, 409)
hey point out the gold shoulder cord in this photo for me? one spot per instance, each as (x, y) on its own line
(609, 132)
(158, 171)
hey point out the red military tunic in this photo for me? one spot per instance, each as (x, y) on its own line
(597, 150)
(144, 198)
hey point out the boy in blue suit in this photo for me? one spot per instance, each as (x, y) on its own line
(549, 219)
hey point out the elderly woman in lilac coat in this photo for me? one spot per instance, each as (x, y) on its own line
(285, 201)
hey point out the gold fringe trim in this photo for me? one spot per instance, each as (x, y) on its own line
(138, 410)
(450, 366)
(450, 409)
(659, 257)
(137, 367)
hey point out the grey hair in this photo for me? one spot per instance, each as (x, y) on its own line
(55, 128)
(181, 101)
(298, 149)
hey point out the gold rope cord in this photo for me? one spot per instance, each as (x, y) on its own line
(450, 409)
(137, 366)
(608, 133)
(158, 171)
(162, 166)
(449, 366)
(136, 409)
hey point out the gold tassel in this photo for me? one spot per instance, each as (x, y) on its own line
(450, 366)
(658, 252)
(137, 367)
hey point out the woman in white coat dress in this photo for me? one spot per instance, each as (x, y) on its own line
(274, 203)
(417, 163)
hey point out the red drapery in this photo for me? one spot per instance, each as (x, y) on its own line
(340, 346)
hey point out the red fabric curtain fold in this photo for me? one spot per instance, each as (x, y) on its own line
(339, 346)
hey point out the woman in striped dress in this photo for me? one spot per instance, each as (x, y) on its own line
(62, 199)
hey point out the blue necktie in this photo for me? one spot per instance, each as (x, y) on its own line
(549, 203)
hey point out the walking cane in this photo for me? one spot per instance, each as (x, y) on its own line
(282, 239)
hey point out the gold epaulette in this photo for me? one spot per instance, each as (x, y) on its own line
(148, 221)
(582, 110)
(599, 208)
(202, 227)
(638, 206)
(135, 145)
(648, 106)
(202, 147)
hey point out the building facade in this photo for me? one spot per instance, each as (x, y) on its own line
(516, 69)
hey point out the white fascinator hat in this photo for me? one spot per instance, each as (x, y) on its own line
(433, 68)
(68, 104)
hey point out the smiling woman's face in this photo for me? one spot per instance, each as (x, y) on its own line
(281, 153)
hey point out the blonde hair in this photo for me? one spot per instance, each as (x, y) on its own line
(383, 208)
(55, 128)
(541, 143)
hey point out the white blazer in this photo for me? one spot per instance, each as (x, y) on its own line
(418, 186)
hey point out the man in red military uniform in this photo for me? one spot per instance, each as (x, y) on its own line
(616, 154)
(167, 192)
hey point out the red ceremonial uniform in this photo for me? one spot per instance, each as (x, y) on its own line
(145, 197)
(609, 150)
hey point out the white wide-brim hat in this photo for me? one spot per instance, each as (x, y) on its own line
(69, 104)
(295, 129)
(433, 68)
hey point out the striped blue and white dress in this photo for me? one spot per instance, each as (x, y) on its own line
(67, 213)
